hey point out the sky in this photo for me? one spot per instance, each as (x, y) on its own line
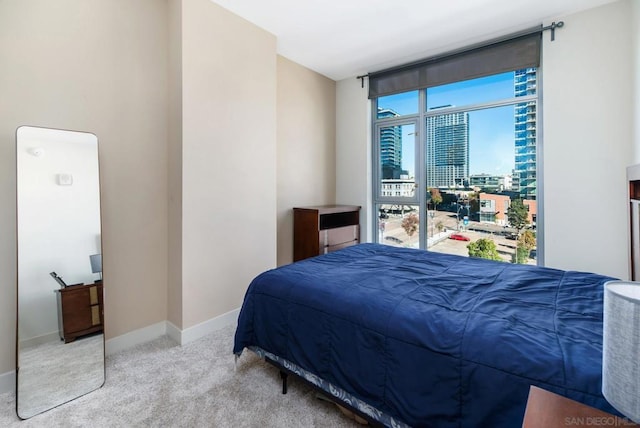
(491, 131)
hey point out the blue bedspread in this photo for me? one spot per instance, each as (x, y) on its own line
(432, 339)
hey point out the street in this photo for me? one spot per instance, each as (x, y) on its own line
(441, 227)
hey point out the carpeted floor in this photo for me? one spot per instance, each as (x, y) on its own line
(161, 384)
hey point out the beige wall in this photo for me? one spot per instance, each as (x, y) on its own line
(97, 66)
(228, 158)
(184, 98)
(174, 263)
(306, 146)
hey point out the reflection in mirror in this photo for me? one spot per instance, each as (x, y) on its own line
(60, 338)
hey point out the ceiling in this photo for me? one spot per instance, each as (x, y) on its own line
(345, 38)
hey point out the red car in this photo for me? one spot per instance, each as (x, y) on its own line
(458, 237)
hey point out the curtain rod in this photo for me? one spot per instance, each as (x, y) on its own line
(540, 29)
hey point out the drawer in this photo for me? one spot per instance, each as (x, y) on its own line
(337, 247)
(338, 235)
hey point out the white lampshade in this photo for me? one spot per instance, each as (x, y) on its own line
(621, 347)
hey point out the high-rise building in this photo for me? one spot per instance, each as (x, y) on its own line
(448, 150)
(390, 147)
(524, 179)
(488, 182)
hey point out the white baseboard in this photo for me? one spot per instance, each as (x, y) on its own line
(7, 382)
(199, 330)
(182, 337)
(39, 340)
(147, 334)
(174, 332)
(135, 337)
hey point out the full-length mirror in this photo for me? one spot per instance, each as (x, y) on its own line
(60, 338)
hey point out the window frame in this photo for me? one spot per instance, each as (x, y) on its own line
(420, 120)
(377, 176)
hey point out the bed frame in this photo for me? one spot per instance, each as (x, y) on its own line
(284, 375)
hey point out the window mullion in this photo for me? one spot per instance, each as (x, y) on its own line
(482, 106)
(421, 173)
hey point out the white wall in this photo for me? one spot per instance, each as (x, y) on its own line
(587, 140)
(635, 43)
(588, 126)
(353, 150)
(58, 225)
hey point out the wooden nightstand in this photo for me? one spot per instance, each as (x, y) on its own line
(323, 229)
(548, 410)
(80, 310)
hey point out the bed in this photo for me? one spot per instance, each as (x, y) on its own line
(417, 338)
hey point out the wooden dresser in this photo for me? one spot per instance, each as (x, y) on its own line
(80, 310)
(324, 228)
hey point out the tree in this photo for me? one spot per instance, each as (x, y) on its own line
(526, 242)
(474, 202)
(518, 215)
(436, 197)
(521, 256)
(485, 249)
(410, 223)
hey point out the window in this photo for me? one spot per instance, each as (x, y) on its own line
(458, 134)
(461, 152)
(402, 104)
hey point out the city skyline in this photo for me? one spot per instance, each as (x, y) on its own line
(491, 130)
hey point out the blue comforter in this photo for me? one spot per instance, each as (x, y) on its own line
(432, 339)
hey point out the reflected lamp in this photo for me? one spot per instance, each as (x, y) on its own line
(621, 347)
(96, 263)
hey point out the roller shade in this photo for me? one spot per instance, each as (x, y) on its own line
(514, 52)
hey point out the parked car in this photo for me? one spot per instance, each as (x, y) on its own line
(458, 237)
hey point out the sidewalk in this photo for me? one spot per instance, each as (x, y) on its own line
(437, 237)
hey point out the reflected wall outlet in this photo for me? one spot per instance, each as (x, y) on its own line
(65, 179)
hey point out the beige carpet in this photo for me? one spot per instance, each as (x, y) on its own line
(160, 384)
